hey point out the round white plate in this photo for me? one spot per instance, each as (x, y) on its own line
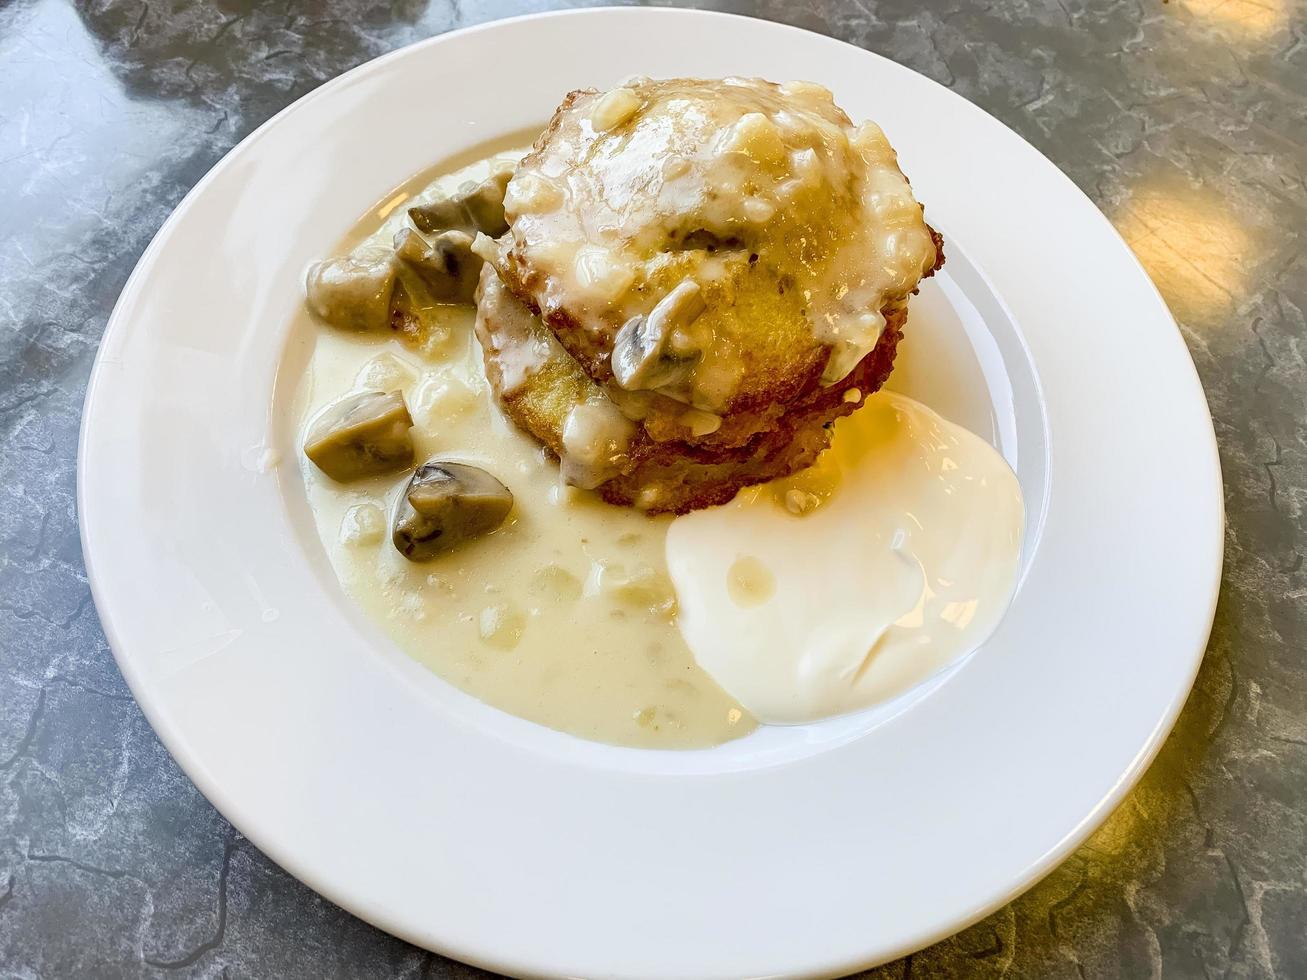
(803, 850)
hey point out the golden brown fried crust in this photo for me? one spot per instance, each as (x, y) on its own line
(778, 429)
(773, 380)
(747, 418)
(669, 476)
(538, 402)
(690, 477)
(590, 343)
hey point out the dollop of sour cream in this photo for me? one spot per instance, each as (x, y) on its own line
(842, 587)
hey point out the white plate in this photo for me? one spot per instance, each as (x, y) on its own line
(806, 850)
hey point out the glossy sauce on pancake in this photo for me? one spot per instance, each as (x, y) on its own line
(545, 392)
(798, 228)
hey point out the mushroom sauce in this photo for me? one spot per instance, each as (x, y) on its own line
(564, 614)
(604, 210)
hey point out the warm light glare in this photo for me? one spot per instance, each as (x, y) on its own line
(394, 202)
(1253, 18)
(959, 613)
(1196, 251)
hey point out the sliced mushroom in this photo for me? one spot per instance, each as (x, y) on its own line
(414, 315)
(475, 206)
(445, 505)
(446, 264)
(596, 442)
(362, 435)
(639, 358)
(654, 351)
(353, 291)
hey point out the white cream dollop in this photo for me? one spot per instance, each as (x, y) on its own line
(905, 563)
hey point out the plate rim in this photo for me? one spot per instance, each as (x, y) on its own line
(194, 768)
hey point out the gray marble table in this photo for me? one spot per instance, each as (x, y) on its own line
(1184, 120)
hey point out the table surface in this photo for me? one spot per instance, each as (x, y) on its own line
(1184, 120)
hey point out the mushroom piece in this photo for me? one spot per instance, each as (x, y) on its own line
(353, 291)
(596, 442)
(654, 351)
(475, 206)
(445, 505)
(446, 264)
(361, 435)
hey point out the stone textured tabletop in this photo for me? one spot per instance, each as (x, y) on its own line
(1184, 120)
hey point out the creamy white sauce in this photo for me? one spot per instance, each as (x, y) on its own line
(850, 583)
(522, 349)
(812, 596)
(565, 614)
